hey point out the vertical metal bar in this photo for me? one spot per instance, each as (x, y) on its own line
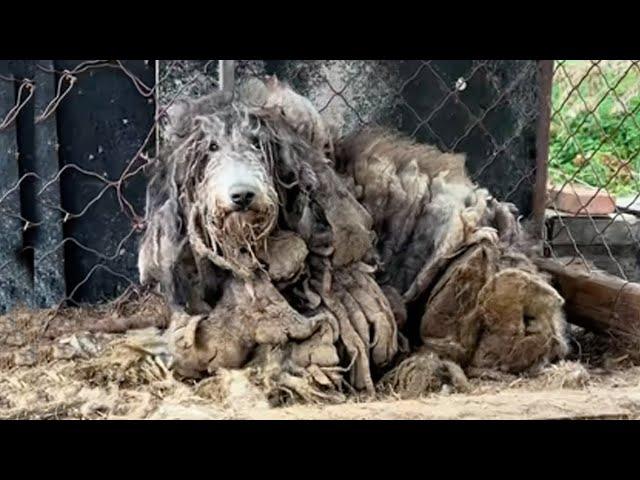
(545, 83)
(226, 75)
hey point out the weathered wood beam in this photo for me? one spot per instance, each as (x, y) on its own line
(595, 299)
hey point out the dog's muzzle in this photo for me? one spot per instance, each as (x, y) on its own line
(242, 196)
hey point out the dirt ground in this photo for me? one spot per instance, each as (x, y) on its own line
(76, 366)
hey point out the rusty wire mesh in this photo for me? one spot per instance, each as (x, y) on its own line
(488, 109)
(593, 192)
(36, 266)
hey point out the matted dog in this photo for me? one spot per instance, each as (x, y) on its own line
(263, 230)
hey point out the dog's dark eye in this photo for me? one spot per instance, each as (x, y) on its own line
(213, 146)
(255, 142)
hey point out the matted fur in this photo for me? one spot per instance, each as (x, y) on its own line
(446, 246)
(299, 255)
(335, 256)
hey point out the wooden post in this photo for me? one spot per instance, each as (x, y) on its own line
(595, 299)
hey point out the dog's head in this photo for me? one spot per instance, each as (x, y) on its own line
(226, 177)
(243, 169)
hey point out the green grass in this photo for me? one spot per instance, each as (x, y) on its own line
(598, 120)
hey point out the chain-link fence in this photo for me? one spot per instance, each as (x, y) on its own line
(593, 191)
(78, 135)
(487, 109)
(74, 138)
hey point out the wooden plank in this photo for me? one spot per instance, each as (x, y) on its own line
(594, 299)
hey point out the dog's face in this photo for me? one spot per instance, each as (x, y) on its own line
(233, 183)
(237, 168)
(237, 175)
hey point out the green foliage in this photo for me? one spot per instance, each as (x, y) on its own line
(595, 129)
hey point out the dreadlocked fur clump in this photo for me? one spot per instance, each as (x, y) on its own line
(458, 257)
(339, 245)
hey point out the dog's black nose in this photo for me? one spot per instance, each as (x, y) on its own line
(242, 196)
